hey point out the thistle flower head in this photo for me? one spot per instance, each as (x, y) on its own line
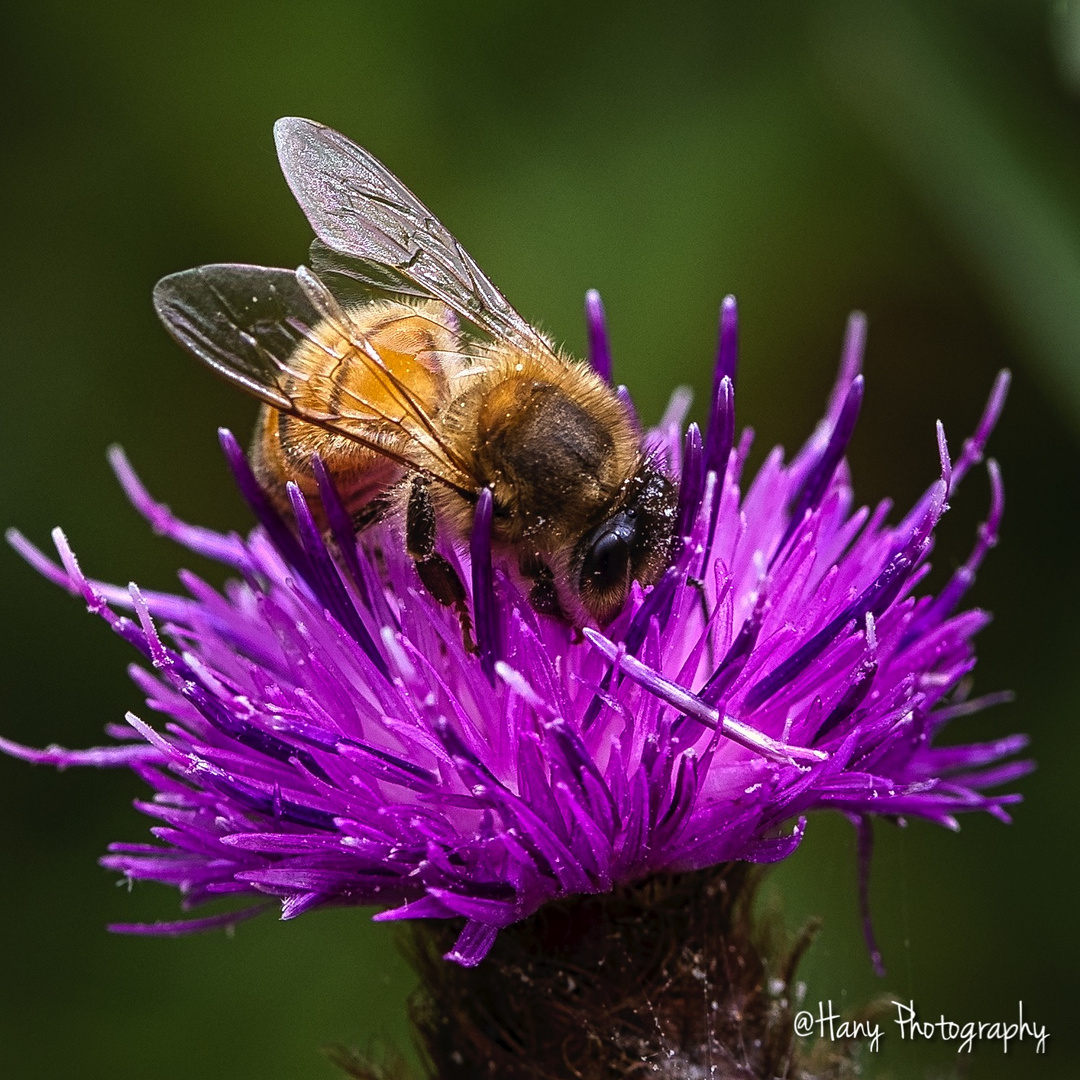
(327, 738)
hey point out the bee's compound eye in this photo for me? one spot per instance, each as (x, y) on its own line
(631, 544)
(607, 563)
(605, 569)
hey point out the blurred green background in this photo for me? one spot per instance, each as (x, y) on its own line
(918, 161)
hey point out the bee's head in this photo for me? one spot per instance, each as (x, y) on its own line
(632, 543)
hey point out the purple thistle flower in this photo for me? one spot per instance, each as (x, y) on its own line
(327, 738)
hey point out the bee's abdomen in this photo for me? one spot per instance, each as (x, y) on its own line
(284, 447)
(364, 404)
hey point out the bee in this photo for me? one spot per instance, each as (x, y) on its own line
(362, 359)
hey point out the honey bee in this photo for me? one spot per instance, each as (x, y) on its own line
(362, 360)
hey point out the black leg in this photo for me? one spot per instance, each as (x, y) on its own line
(439, 577)
(543, 596)
(699, 586)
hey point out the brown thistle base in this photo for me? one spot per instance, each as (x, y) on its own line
(670, 978)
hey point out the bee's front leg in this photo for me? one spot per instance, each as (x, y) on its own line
(439, 577)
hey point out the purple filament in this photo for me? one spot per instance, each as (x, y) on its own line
(485, 613)
(599, 345)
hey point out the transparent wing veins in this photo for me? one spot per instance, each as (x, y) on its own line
(246, 322)
(360, 210)
(332, 312)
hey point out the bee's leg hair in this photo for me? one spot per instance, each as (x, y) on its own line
(439, 577)
(369, 513)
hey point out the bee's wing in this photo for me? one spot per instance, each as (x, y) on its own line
(360, 210)
(244, 322)
(247, 322)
